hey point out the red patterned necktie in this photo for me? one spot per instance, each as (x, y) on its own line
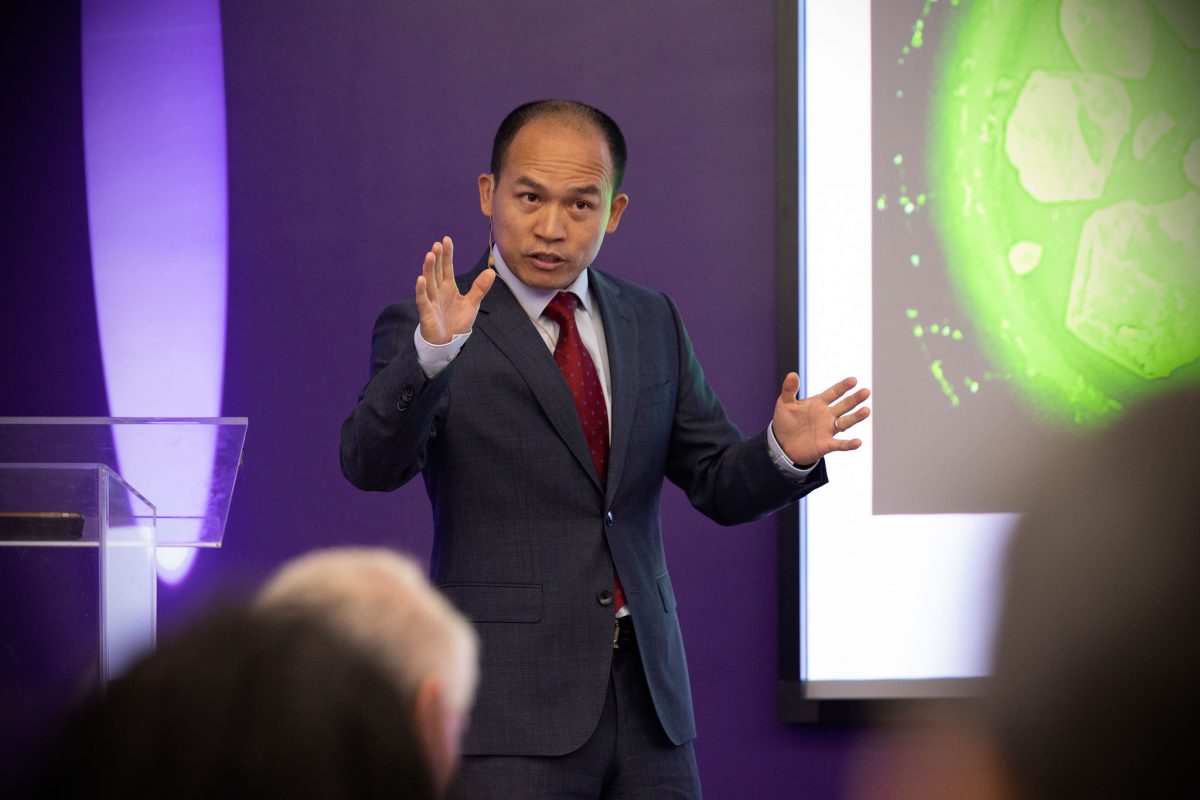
(580, 373)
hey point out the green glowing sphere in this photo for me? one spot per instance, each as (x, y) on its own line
(1065, 165)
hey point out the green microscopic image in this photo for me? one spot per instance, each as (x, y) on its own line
(1064, 156)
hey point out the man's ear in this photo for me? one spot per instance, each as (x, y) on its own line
(616, 210)
(487, 185)
(431, 721)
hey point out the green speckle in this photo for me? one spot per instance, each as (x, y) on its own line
(881, 202)
(934, 328)
(918, 331)
(898, 159)
(915, 260)
(957, 335)
(911, 313)
(940, 376)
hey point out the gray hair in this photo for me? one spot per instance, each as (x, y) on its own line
(383, 601)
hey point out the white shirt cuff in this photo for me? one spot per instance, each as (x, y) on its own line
(434, 358)
(782, 462)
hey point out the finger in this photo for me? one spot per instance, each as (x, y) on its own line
(850, 403)
(843, 445)
(448, 258)
(426, 311)
(439, 276)
(845, 423)
(428, 272)
(791, 385)
(481, 286)
(830, 395)
(426, 293)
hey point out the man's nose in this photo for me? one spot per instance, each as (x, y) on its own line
(551, 223)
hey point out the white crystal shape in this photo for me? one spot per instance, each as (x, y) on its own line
(1135, 293)
(1064, 132)
(1115, 37)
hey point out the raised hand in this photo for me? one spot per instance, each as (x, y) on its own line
(807, 428)
(443, 310)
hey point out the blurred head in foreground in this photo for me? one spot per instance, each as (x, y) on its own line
(244, 704)
(1096, 657)
(383, 602)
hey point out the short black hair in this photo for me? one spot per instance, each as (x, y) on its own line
(524, 114)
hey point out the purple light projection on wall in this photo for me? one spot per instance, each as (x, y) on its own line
(154, 151)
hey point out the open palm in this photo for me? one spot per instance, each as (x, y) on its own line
(443, 310)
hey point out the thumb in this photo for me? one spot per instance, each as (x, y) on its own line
(791, 385)
(481, 286)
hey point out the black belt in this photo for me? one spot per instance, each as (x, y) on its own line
(623, 633)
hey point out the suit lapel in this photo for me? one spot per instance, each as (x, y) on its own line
(621, 338)
(505, 323)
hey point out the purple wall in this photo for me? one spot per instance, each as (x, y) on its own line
(49, 350)
(356, 132)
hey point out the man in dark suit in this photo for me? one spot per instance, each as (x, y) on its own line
(544, 402)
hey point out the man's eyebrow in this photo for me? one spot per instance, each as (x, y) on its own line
(590, 189)
(530, 183)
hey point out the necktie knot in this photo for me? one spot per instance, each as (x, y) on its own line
(562, 307)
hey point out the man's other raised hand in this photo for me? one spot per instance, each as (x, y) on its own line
(807, 428)
(445, 312)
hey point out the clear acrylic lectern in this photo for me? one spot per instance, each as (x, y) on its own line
(84, 503)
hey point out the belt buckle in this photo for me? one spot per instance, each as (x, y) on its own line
(616, 633)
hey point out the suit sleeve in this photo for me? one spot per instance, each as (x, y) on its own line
(728, 478)
(387, 435)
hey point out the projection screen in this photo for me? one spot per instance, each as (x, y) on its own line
(999, 233)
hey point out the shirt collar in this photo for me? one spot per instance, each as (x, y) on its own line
(534, 300)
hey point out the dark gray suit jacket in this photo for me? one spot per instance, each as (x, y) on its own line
(526, 535)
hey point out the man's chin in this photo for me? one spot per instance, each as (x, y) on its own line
(541, 278)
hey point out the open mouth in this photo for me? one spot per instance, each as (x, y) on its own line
(546, 260)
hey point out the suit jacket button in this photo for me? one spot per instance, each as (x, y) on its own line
(407, 393)
(401, 405)
(605, 598)
(608, 518)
